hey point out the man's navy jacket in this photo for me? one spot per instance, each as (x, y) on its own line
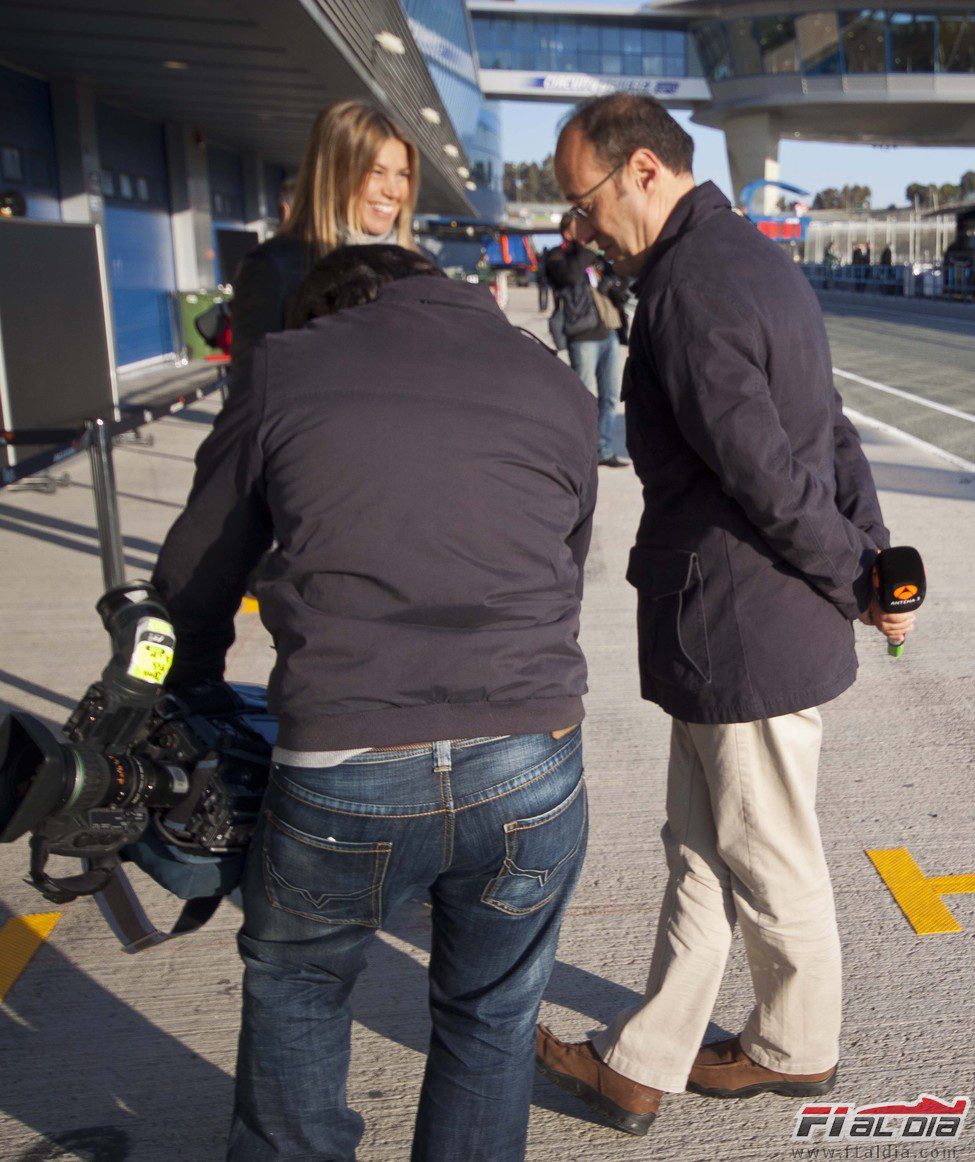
(760, 514)
(429, 474)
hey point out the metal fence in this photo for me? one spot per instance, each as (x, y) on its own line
(920, 280)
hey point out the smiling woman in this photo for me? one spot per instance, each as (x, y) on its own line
(357, 184)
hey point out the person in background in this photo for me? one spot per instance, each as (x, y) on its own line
(358, 183)
(432, 504)
(590, 324)
(286, 200)
(541, 282)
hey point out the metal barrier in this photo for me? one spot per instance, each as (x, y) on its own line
(951, 281)
(95, 436)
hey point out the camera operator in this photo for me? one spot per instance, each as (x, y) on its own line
(431, 501)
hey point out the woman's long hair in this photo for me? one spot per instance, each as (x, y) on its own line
(341, 150)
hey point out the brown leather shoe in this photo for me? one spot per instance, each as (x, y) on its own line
(724, 1069)
(579, 1070)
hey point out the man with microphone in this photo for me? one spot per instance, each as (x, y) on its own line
(752, 560)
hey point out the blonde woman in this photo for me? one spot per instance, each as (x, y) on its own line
(358, 183)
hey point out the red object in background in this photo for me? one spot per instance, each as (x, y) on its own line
(780, 231)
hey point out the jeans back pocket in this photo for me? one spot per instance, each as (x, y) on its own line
(539, 856)
(327, 880)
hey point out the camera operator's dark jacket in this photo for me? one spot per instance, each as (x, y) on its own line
(429, 474)
(760, 511)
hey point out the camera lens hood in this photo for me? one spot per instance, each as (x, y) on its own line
(32, 775)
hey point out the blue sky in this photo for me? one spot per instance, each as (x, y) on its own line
(529, 131)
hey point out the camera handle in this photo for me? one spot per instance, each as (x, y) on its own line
(123, 913)
(98, 873)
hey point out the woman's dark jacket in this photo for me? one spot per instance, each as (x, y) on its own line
(264, 285)
(760, 513)
(430, 476)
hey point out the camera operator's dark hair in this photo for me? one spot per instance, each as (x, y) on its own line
(352, 276)
(620, 123)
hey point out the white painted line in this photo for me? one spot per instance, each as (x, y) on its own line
(928, 403)
(863, 421)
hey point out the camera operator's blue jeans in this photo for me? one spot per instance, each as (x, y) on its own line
(495, 831)
(597, 363)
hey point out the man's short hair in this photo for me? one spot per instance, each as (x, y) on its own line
(566, 221)
(352, 276)
(620, 123)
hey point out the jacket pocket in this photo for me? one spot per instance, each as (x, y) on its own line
(326, 880)
(539, 856)
(672, 625)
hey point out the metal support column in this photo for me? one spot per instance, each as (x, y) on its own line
(106, 503)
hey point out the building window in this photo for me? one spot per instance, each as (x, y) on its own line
(956, 44)
(776, 37)
(819, 43)
(912, 42)
(865, 40)
(142, 189)
(712, 44)
(745, 54)
(125, 187)
(11, 163)
(108, 183)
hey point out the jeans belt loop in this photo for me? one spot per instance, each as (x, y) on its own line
(441, 756)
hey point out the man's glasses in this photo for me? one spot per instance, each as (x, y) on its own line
(581, 209)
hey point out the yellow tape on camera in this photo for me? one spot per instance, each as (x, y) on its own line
(152, 657)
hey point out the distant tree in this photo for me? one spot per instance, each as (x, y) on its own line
(848, 198)
(968, 182)
(531, 181)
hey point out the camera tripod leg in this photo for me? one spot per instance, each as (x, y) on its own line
(106, 503)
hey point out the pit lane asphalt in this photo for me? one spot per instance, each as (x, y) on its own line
(115, 1057)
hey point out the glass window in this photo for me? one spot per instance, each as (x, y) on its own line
(544, 44)
(819, 43)
(745, 52)
(653, 41)
(567, 44)
(611, 64)
(590, 62)
(674, 43)
(864, 40)
(11, 163)
(142, 189)
(956, 44)
(108, 183)
(125, 186)
(912, 42)
(653, 64)
(777, 43)
(712, 44)
(610, 38)
(588, 38)
(675, 66)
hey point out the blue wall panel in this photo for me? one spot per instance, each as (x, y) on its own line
(27, 128)
(138, 235)
(141, 273)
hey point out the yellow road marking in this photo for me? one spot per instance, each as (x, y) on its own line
(20, 938)
(249, 605)
(919, 896)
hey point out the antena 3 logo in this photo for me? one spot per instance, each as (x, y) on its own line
(927, 1119)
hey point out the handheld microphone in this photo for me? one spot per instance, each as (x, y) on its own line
(899, 585)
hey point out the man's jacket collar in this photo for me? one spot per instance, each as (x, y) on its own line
(450, 292)
(695, 207)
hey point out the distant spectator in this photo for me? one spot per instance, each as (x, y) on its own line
(586, 322)
(286, 199)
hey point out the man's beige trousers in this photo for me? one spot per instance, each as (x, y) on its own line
(742, 844)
